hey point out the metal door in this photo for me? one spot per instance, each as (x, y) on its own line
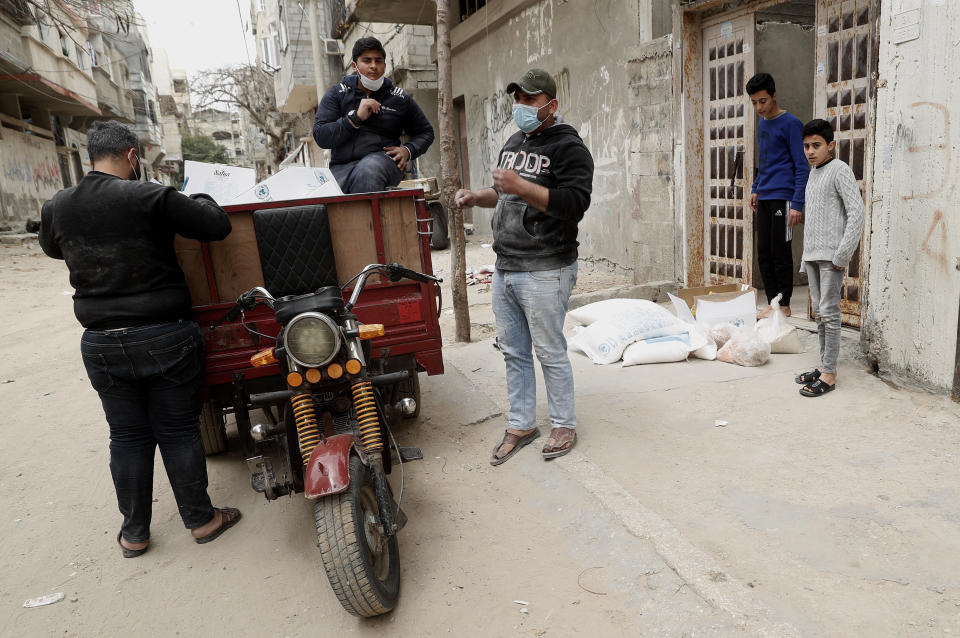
(844, 92)
(728, 121)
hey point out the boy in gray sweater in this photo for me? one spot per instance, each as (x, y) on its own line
(834, 222)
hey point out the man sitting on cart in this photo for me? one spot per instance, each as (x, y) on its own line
(361, 118)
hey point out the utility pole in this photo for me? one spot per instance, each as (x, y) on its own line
(318, 51)
(450, 172)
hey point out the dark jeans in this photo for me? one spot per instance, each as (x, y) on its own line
(774, 252)
(370, 174)
(148, 379)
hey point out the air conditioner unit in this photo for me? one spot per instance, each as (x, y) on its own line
(332, 46)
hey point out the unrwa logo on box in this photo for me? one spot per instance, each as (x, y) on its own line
(263, 192)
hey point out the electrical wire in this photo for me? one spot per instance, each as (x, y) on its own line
(243, 34)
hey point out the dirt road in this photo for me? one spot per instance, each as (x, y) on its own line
(830, 518)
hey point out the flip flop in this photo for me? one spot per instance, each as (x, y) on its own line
(817, 388)
(559, 451)
(130, 553)
(229, 517)
(516, 441)
(807, 377)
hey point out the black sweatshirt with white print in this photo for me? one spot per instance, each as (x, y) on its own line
(528, 239)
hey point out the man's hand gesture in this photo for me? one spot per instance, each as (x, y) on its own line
(368, 106)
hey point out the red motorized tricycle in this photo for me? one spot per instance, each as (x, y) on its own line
(313, 317)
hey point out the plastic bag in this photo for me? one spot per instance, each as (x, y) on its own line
(722, 333)
(741, 311)
(745, 348)
(775, 330)
(703, 346)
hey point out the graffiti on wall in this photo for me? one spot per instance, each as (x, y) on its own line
(29, 175)
(935, 243)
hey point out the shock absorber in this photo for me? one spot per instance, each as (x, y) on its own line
(308, 430)
(367, 417)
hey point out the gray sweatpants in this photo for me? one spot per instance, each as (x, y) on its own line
(825, 287)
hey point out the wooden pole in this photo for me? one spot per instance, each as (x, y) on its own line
(450, 173)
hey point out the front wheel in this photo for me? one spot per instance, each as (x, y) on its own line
(362, 565)
(441, 235)
(213, 432)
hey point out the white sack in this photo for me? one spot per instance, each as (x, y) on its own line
(605, 339)
(658, 350)
(740, 311)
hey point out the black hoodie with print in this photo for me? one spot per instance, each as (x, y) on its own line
(524, 237)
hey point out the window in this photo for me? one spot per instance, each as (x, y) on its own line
(93, 53)
(283, 30)
(267, 52)
(80, 57)
(41, 26)
(469, 7)
(153, 111)
(261, 7)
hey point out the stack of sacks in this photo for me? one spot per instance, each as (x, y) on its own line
(636, 330)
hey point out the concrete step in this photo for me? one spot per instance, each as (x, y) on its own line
(16, 239)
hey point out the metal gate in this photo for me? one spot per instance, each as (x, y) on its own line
(844, 91)
(728, 121)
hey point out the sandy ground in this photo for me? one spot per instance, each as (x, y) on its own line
(828, 517)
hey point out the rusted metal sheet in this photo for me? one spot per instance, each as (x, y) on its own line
(728, 133)
(844, 94)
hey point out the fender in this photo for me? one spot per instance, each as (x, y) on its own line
(328, 471)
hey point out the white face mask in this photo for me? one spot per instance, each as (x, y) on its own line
(370, 85)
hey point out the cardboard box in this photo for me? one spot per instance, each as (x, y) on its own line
(724, 292)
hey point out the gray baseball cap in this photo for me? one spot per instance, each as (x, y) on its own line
(534, 82)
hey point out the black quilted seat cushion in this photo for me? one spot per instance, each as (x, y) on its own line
(296, 251)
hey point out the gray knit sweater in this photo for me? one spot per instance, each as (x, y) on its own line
(834, 214)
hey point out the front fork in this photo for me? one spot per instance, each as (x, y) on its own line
(368, 418)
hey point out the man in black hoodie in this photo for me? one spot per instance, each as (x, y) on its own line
(360, 120)
(541, 190)
(143, 354)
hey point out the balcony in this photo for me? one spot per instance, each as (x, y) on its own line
(395, 11)
(115, 101)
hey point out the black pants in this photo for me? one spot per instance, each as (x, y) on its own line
(149, 382)
(774, 252)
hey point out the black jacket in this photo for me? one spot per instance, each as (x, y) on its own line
(525, 238)
(117, 239)
(398, 114)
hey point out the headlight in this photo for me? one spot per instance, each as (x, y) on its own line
(311, 339)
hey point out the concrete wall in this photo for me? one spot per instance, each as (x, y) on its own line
(614, 88)
(914, 282)
(29, 175)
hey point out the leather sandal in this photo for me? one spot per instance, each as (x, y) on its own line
(509, 438)
(229, 516)
(130, 553)
(560, 442)
(817, 388)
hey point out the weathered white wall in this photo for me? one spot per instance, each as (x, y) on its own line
(613, 90)
(914, 284)
(29, 176)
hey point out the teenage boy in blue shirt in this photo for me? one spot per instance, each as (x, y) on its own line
(777, 195)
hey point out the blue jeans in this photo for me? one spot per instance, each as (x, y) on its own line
(149, 379)
(370, 174)
(530, 308)
(826, 286)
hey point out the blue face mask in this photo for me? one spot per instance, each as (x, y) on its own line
(526, 117)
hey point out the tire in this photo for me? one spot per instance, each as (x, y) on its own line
(366, 583)
(213, 433)
(441, 232)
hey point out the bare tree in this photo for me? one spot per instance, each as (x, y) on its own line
(251, 89)
(450, 173)
(70, 17)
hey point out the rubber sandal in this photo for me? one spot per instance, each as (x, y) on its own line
(559, 451)
(230, 517)
(130, 553)
(516, 441)
(807, 377)
(817, 388)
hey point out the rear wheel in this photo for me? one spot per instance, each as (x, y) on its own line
(441, 236)
(362, 564)
(411, 388)
(213, 431)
